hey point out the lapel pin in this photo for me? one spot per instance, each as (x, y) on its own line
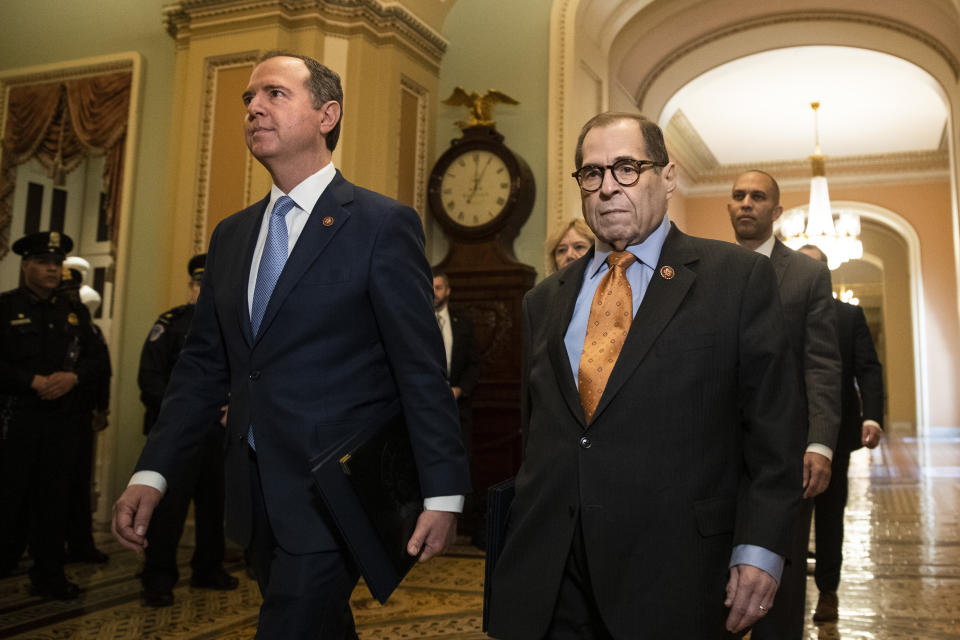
(327, 221)
(667, 272)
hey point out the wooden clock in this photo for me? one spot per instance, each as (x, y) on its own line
(481, 193)
(479, 189)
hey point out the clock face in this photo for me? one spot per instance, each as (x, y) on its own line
(475, 188)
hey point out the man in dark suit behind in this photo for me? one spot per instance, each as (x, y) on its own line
(807, 299)
(862, 417)
(463, 371)
(463, 365)
(315, 314)
(661, 508)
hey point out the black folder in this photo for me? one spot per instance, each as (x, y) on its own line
(499, 499)
(370, 485)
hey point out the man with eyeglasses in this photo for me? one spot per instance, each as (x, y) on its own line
(810, 325)
(657, 484)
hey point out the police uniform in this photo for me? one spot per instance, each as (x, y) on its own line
(38, 337)
(205, 483)
(94, 397)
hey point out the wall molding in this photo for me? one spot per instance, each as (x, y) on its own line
(380, 22)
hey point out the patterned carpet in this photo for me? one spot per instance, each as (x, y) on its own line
(901, 575)
(439, 599)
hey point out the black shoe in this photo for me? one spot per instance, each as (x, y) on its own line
(217, 579)
(827, 608)
(61, 589)
(157, 598)
(88, 556)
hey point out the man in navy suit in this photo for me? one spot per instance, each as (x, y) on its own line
(315, 314)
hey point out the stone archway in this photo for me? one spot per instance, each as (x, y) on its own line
(900, 227)
(635, 54)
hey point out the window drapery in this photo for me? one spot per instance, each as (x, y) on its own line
(61, 124)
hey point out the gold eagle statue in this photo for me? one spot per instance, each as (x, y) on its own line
(480, 107)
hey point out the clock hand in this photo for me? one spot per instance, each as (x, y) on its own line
(476, 180)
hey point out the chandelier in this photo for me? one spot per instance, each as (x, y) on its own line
(838, 239)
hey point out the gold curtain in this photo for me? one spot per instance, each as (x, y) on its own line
(61, 124)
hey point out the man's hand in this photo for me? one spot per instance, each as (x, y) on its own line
(225, 409)
(131, 515)
(816, 474)
(871, 435)
(57, 384)
(457, 392)
(436, 530)
(750, 594)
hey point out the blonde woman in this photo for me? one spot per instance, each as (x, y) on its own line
(568, 244)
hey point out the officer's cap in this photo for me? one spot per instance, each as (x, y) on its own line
(43, 243)
(196, 265)
(71, 277)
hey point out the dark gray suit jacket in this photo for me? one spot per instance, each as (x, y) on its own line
(811, 323)
(691, 450)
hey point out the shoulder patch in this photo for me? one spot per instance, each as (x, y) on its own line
(156, 332)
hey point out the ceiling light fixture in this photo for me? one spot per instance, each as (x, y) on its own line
(840, 241)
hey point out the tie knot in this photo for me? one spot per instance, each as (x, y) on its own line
(621, 259)
(283, 205)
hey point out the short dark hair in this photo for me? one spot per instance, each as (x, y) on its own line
(324, 86)
(808, 247)
(437, 273)
(774, 187)
(652, 135)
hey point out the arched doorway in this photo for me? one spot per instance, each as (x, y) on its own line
(634, 55)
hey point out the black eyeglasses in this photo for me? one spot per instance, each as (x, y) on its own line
(626, 172)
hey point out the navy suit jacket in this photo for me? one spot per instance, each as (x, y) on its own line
(349, 334)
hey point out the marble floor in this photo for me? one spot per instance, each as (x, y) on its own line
(901, 574)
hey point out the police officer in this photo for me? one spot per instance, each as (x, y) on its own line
(94, 405)
(204, 485)
(45, 353)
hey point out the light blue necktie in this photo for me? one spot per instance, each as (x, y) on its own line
(271, 265)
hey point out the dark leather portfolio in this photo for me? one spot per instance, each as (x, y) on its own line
(499, 499)
(370, 485)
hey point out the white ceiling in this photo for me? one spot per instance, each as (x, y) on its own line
(757, 108)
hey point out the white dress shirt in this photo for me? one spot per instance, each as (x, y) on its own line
(446, 328)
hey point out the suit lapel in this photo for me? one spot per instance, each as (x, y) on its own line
(779, 257)
(564, 301)
(251, 231)
(660, 304)
(325, 220)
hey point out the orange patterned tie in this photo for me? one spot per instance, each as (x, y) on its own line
(610, 316)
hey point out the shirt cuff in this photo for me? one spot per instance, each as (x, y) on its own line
(151, 479)
(444, 503)
(822, 449)
(758, 557)
(872, 423)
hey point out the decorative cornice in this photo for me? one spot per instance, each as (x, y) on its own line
(794, 17)
(702, 175)
(794, 175)
(683, 141)
(379, 21)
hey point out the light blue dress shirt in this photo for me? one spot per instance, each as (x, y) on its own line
(639, 275)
